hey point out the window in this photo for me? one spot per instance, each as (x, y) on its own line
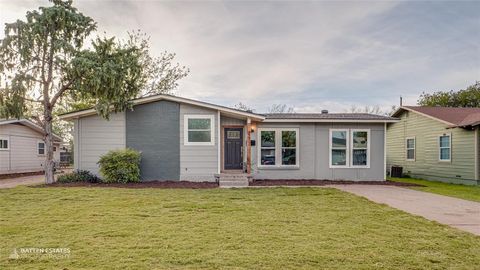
(278, 147)
(339, 147)
(199, 130)
(349, 148)
(445, 148)
(267, 145)
(360, 143)
(41, 148)
(4, 143)
(410, 145)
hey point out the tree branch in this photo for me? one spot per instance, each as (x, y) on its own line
(60, 92)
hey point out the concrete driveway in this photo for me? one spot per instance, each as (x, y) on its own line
(22, 181)
(457, 213)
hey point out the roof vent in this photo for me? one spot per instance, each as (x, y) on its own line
(324, 111)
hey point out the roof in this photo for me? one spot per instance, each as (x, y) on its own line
(452, 116)
(328, 117)
(153, 98)
(29, 124)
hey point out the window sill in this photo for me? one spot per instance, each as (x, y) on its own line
(5, 149)
(349, 167)
(296, 167)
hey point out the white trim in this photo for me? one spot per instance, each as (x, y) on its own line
(347, 148)
(385, 152)
(186, 117)
(219, 155)
(44, 148)
(278, 148)
(449, 135)
(5, 138)
(353, 148)
(69, 116)
(414, 148)
(327, 121)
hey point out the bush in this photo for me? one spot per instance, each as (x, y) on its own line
(78, 176)
(120, 166)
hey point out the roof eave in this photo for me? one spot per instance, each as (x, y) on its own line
(331, 120)
(89, 112)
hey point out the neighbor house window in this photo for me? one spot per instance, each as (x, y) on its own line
(338, 148)
(199, 130)
(410, 144)
(278, 147)
(41, 148)
(445, 147)
(349, 148)
(4, 143)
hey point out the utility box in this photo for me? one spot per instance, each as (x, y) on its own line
(396, 171)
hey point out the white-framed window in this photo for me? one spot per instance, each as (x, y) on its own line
(278, 147)
(41, 148)
(349, 148)
(339, 148)
(445, 147)
(410, 143)
(360, 148)
(199, 130)
(4, 143)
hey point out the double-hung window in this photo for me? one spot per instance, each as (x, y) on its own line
(41, 148)
(445, 147)
(339, 148)
(349, 148)
(199, 130)
(360, 148)
(4, 143)
(410, 147)
(278, 147)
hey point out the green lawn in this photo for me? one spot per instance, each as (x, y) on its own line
(268, 228)
(471, 193)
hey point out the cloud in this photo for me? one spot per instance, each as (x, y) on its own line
(310, 55)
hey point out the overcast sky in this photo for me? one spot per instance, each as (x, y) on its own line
(309, 55)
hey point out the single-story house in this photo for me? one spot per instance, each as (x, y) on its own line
(185, 139)
(436, 143)
(22, 146)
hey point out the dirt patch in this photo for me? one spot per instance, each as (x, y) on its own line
(313, 182)
(150, 184)
(16, 175)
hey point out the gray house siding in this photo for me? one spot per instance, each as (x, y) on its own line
(95, 136)
(153, 129)
(314, 154)
(198, 162)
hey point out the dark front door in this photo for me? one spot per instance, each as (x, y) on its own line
(233, 148)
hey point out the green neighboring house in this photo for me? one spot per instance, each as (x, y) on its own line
(436, 143)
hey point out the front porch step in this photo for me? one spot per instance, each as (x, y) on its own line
(233, 180)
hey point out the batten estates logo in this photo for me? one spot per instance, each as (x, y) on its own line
(39, 253)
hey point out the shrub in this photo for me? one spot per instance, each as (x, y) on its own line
(78, 176)
(120, 166)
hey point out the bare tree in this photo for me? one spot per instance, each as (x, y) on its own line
(280, 108)
(243, 107)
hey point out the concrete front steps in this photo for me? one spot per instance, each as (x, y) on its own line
(233, 180)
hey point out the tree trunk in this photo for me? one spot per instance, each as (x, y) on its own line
(49, 162)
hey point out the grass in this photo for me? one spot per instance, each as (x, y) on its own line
(267, 228)
(471, 193)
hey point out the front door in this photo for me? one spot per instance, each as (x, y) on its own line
(233, 146)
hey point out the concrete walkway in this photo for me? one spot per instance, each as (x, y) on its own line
(457, 213)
